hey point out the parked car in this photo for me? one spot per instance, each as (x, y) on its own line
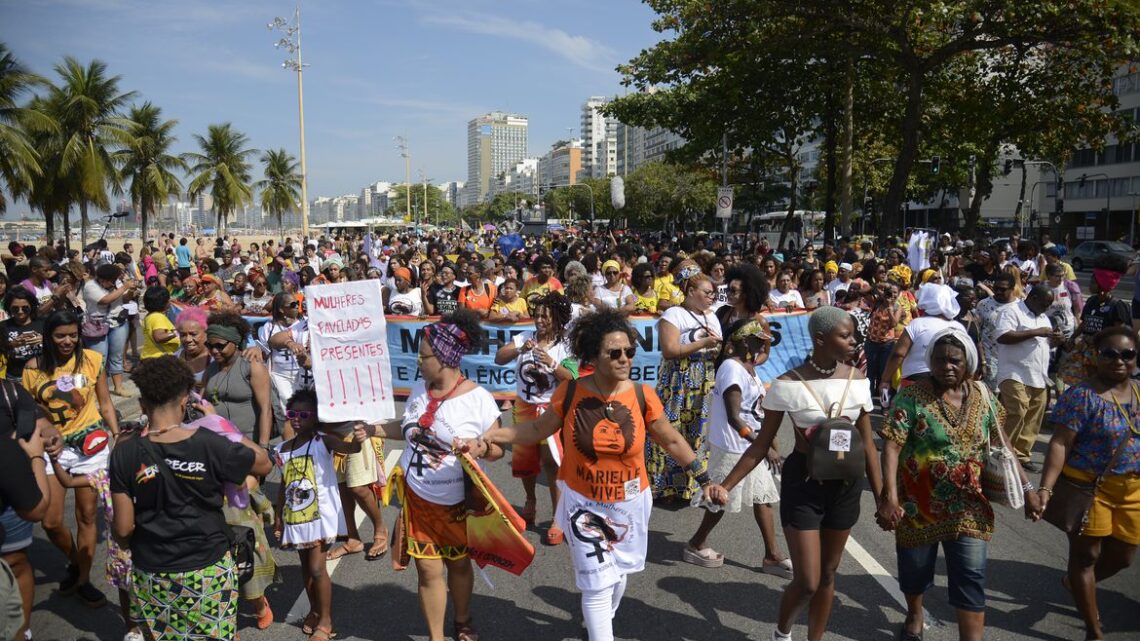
(1089, 252)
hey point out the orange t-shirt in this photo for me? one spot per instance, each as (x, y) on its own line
(603, 458)
(469, 299)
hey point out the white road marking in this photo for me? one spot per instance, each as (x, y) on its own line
(884, 578)
(301, 605)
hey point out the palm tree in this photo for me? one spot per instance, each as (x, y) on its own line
(88, 106)
(280, 190)
(52, 191)
(19, 161)
(146, 161)
(223, 169)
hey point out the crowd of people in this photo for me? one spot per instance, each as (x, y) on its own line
(964, 347)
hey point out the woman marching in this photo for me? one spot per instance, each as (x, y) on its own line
(604, 420)
(817, 514)
(735, 422)
(935, 444)
(542, 361)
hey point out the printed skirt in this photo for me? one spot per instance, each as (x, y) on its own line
(187, 606)
(685, 386)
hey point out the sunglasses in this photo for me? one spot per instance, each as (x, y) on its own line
(293, 305)
(611, 273)
(217, 347)
(299, 414)
(20, 308)
(615, 354)
(1114, 354)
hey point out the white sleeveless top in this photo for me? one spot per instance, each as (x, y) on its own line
(793, 397)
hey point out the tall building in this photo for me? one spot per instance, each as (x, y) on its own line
(630, 148)
(495, 143)
(599, 140)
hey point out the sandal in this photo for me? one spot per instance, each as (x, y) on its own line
(377, 542)
(322, 634)
(528, 512)
(265, 618)
(706, 558)
(782, 569)
(554, 535)
(343, 551)
(464, 631)
(308, 622)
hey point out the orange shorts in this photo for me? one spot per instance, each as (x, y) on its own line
(525, 460)
(434, 531)
(1115, 510)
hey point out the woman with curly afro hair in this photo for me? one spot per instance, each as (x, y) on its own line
(603, 421)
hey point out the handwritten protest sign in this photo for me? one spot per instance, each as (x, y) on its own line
(349, 344)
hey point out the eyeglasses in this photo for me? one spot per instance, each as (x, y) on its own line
(421, 358)
(708, 293)
(1114, 354)
(611, 273)
(293, 305)
(615, 354)
(217, 347)
(20, 308)
(735, 290)
(299, 415)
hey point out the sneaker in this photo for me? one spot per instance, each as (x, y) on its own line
(71, 581)
(778, 636)
(134, 635)
(90, 595)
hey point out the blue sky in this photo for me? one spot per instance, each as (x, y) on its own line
(380, 68)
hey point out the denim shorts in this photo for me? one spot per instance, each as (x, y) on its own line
(965, 569)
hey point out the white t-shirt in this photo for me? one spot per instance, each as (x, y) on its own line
(611, 298)
(780, 300)
(431, 470)
(793, 397)
(534, 381)
(721, 434)
(1060, 313)
(691, 325)
(836, 285)
(1026, 362)
(921, 331)
(281, 360)
(410, 303)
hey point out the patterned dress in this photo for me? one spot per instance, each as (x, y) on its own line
(685, 387)
(940, 466)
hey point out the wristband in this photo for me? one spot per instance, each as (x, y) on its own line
(694, 468)
(702, 479)
(1027, 487)
(1047, 490)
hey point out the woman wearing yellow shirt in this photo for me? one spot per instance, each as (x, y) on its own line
(159, 337)
(509, 306)
(642, 280)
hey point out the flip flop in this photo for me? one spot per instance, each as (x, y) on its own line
(372, 555)
(322, 634)
(782, 569)
(342, 551)
(308, 622)
(706, 558)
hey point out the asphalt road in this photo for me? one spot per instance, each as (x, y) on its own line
(670, 599)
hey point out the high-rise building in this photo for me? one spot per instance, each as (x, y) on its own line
(560, 166)
(495, 143)
(599, 140)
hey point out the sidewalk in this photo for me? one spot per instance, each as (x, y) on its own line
(128, 407)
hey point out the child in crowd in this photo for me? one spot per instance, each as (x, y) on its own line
(309, 514)
(508, 306)
(159, 337)
(734, 423)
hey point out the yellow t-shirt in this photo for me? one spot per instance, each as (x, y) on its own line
(646, 304)
(517, 306)
(70, 411)
(151, 349)
(667, 290)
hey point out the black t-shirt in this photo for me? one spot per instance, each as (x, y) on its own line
(980, 276)
(445, 302)
(1101, 313)
(24, 353)
(17, 484)
(179, 524)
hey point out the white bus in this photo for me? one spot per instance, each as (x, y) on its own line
(806, 224)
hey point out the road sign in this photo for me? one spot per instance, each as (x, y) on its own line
(724, 202)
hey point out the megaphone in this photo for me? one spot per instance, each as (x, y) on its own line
(617, 192)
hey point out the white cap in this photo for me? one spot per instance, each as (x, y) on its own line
(846, 266)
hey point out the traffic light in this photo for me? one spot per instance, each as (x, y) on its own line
(935, 165)
(1007, 168)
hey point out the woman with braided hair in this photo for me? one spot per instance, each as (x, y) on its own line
(542, 361)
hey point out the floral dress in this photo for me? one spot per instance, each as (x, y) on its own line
(940, 466)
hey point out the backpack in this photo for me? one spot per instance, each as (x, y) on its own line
(835, 445)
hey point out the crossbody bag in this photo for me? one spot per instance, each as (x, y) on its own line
(835, 446)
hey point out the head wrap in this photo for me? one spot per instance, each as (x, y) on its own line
(448, 342)
(938, 300)
(687, 272)
(226, 333)
(211, 278)
(900, 274)
(402, 272)
(335, 261)
(957, 331)
(927, 274)
(611, 263)
(831, 267)
(1106, 279)
(292, 277)
(845, 266)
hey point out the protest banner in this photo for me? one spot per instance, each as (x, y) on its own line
(350, 348)
(791, 344)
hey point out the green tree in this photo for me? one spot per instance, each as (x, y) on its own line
(438, 209)
(19, 160)
(147, 162)
(281, 189)
(52, 191)
(222, 168)
(87, 104)
(658, 194)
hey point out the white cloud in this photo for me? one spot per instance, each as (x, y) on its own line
(578, 50)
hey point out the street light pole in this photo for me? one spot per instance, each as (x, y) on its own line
(291, 42)
(402, 145)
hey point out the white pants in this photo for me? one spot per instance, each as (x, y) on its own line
(599, 607)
